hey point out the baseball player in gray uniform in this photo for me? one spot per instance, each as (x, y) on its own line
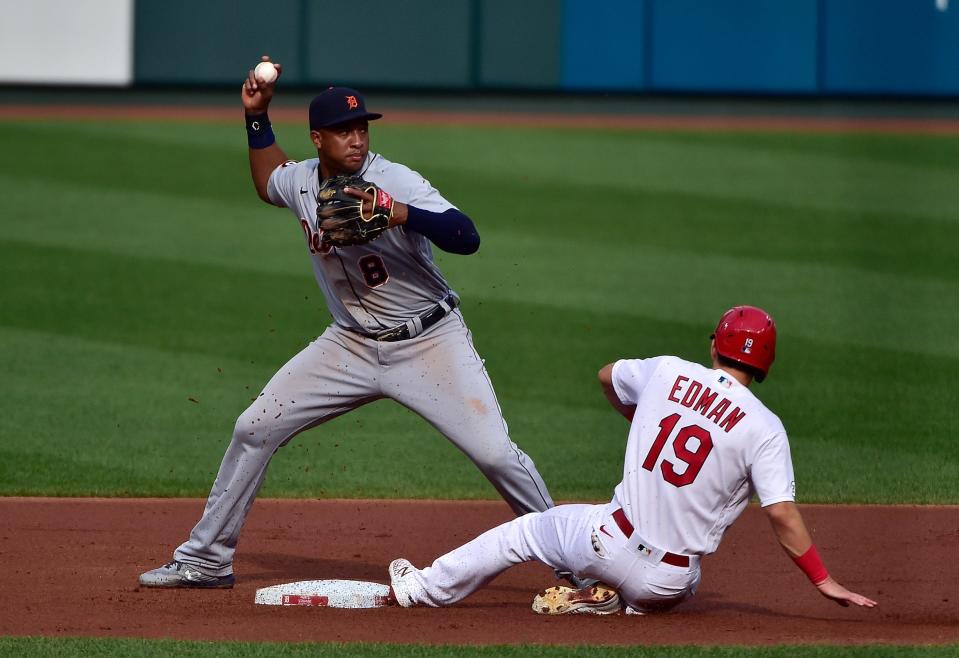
(396, 333)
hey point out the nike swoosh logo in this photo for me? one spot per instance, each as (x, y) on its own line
(303, 190)
(602, 529)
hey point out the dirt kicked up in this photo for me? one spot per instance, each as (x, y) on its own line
(71, 567)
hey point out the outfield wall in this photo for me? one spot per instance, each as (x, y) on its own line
(794, 47)
(62, 42)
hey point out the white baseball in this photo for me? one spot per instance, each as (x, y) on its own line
(265, 72)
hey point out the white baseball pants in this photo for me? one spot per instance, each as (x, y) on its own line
(566, 537)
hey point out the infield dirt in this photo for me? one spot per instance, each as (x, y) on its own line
(71, 567)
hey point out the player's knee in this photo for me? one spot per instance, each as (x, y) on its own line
(252, 429)
(493, 461)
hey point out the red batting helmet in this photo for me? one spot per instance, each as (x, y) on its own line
(747, 335)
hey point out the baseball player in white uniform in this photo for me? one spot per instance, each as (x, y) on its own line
(700, 444)
(396, 333)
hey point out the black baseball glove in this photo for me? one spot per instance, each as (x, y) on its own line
(341, 217)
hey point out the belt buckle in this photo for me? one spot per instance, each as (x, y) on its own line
(390, 335)
(397, 333)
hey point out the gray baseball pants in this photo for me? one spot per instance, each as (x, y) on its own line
(438, 375)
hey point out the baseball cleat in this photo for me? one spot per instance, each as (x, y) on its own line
(178, 574)
(401, 571)
(561, 600)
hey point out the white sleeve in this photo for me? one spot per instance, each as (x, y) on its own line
(281, 187)
(630, 377)
(772, 471)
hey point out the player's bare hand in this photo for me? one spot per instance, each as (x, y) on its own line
(399, 209)
(257, 95)
(367, 198)
(833, 590)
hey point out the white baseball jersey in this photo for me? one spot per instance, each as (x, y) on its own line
(381, 284)
(699, 445)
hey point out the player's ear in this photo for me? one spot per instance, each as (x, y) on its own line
(317, 139)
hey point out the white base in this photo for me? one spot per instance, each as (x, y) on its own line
(326, 594)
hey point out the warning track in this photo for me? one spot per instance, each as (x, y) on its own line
(637, 122)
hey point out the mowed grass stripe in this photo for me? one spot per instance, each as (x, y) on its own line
(668, 162)
(263, 238)
(184, 169)
(93, 647)
(865, 308)
(700, 223)
(718, 221)
(66, 290)
(91, 418)
(125, 397)
(175, 306)
(177, 270)
(152, 225)
(748, 168)
(88, 417)
(833, 303)
(927, 152)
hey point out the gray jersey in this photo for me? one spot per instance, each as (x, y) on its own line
(378, 285)
(433, 371)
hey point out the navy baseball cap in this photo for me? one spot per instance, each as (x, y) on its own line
(338, 105)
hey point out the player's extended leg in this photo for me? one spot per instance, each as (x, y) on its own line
(442, 378)
(329, 377)
(558, 537)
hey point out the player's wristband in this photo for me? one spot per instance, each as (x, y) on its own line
(259, 132)
(812, 566)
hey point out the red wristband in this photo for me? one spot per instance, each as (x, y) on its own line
(812, 566)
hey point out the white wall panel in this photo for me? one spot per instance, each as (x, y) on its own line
(75, 42)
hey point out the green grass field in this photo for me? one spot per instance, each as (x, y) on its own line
(141, 271)
(148, 295)
(57, 648)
